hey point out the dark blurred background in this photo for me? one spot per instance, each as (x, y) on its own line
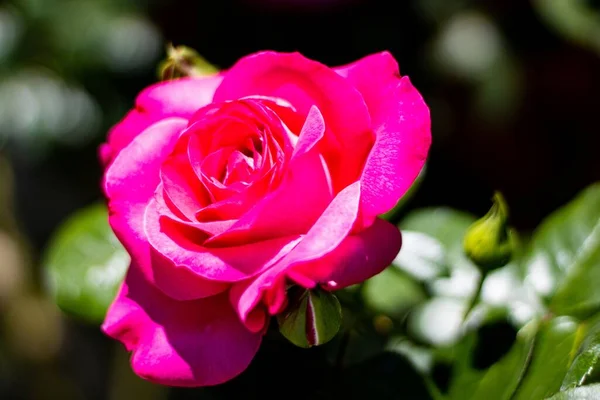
(512, 85)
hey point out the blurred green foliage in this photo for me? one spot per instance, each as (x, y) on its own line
(85, 264)
(48, 49)
(576, 20)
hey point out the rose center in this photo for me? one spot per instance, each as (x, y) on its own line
(230, 155)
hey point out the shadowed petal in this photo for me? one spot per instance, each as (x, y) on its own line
(192, 343)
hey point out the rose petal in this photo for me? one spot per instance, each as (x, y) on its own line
(181, 283)
(372, 75)
(120, 135)
(401, 118)
(285, 111)
(312, 132)
(358, 258)
(212, 171)
(180, 184)
(247, 125)
(210, 228)
(271, 217)
(239, 168)
(229, 264)
(170, 213)
(332, 227)
(257, 320)
(300, 81)
(194, 343)
(174, 98)
(181, 97)
(403, 136)
(130, 182)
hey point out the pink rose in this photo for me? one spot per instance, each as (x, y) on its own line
(223, 189)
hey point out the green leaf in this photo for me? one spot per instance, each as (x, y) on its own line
(562, 263)
(500, 380)
(591, 392)
(585, 368)
(392, 293)
(578, 295)
(554, 349)
(85, 264)
(576, 20)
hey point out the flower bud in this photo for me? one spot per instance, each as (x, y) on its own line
(183, 61)
(489, 242)
(313, 317)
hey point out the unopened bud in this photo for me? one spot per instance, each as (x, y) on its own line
(489, 242)
(313, 317)
(183, 61)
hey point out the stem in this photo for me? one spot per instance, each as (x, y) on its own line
(475, 297)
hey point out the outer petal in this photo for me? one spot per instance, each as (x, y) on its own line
(371, 75)
(358, 258)
(300, 81)
(193, 343)
(403, 136)
(401, 123)
(174, 98)
(130, 182)
(123, 133)
(179, 97)
(325, 236)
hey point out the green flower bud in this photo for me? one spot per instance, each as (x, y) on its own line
(313, 317)
(489, 242)
(183, 61)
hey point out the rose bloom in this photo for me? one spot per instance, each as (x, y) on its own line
(226, 189)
